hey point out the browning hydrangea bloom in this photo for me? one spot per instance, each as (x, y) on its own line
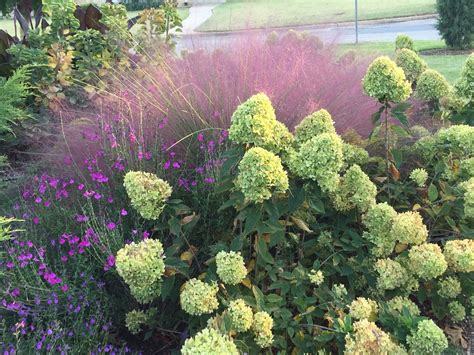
(386, 82)
(198, 297)
(449, 287)
(457, 311)
(419, 177)
(262, 329)
(396, 305)
(210, 342)
(148, 193)
(319, 159)
(230, 267)
(428, 338)
(241, 315)
(260, 174)
(427, 261)
(313, 125)
(134, 320)
(432, 85)
(363, 308)
(411, 63)
(142, 267)
(316, 277)
(460, 255)
(391, 274)
(408, 228)
(379, 220)
(355, 191)
(367, 339)
(468, 187)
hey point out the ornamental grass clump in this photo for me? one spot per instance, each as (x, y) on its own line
(432, 86)
(411, 63)
(209, 342)
(460, 255)
(198, 297)
(313, 125)
(141, 265)
(427, 261)
(408, 228)
(241, 315)
(148, 194)
(419, 176)
(261, 174)
(427, 338)
(450, 287)
(262, 329)
(379, 220)
(231, 267)
(363, 308)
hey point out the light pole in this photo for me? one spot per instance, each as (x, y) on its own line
(357, 22)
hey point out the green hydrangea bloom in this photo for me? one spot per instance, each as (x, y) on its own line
(419, 176)
(411, 63)
(379, 220)
(316, 277)
(408, 228)
(209, 342)
(355, 191)
(260, 174)
(142, 267)
(313, 125)
(198, 297)
(386, 82)
(254, 122)
(262, 329)
(363, 308)
(231, 267)
(450, 287)
(457, 139)
(457, 311)
(465, 85)
(432, 85)
(354, 155)
(428, 338)
(340, 291)
(319, 159)
(404, 41)
(467, 168)
(427, 261)
(147, 193)
(418, 132)
(396, 305)
(391, 274)
(368, 339)
(460, 255)
(241, 315)
(468, 187)
(134, 321)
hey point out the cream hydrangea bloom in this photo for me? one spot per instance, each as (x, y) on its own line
(460, 255)
(198, 297)
(391, 274)
(262, 329)
(148, 193)
(427, 261)
(141, 265)
(428, 338)
(209, 342)
(468, 187)
(411, 63)
(316, 277)
(134, 321)
(419, 176)
(457, 311)
(260, 174)
(313, 125)
(408, 228)
(230, 267)
(363, 308)
(379, 220)
(241, 315)
(450, 287)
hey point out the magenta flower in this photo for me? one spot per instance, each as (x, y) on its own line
(200, 137)
(123, 212)
(111, 226)
(36, 220)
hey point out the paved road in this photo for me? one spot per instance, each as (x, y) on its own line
(385, 32)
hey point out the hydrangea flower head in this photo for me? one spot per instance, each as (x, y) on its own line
(379, 220)
(142, 266)
(316, 277)
(134, 321)
(385, 81)
(391, 274)
(428, 338)
(241, 315)
(262, 329)
(210, 342)
(198, 297)
(432, 85)
(260, 174)
(363, 308)
(148, 193)
(408, 228)
(411, 63)
(460, 255)
(450, 287)
(231, 267)
(427, 261)
(419, 177)
(313, 125)
(457, 311)
(396, 305)
(468, 187)
(353, 154)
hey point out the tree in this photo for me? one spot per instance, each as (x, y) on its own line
(455, 22)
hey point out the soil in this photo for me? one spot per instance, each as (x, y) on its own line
(445, 51)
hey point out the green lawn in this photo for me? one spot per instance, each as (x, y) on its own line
(244, 14)
(448, 65)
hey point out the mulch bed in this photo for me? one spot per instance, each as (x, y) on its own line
(445, 51)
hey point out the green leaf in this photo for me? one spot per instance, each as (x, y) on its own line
(296, 199)
(400, 116)
(432, 193)
(167, 287)
(317, 205)
(251, 220)
(259, 298)
(262, 250)
(397, 157)
(376, 115)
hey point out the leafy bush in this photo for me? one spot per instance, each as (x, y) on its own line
(411, 63)
(432, 86)
(404, 41)
(455, 22)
